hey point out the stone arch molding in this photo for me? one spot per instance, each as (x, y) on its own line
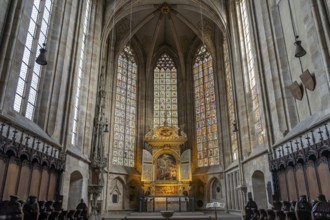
(75, 189)
(259, 189)
(214, 190)
(122, 9)
(117, 194)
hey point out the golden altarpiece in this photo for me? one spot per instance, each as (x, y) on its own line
(166, 170)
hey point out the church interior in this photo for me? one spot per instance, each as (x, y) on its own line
(147, 106)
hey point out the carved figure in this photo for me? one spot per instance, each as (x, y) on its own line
(270, 214)
(82, 205)
(58, 205)
(279, 215)
(42, 210)
(321, 209)
(250, 206)
(31, 208)
(14, 208)
(263, 214)
(256, 214)
(303, 209)
(277, 205)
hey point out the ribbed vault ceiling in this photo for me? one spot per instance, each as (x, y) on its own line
(155, 24)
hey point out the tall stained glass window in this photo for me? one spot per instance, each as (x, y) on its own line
(230, 101)
(165, 92)
(125, 110)
(250, 78)
(80, 72)
(30, 72)
(205, 110)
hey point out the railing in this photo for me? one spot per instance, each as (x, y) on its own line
(14, 138)
(29, 162)
(300, 164)
(160, 203)
(307, 144)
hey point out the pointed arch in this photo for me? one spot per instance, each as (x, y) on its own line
(205, 109)
(165, 91)
(125, 110)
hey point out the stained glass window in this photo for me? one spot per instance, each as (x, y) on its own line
(165, 92)
(125, 110)
(250, 77)
(29, 76)
(230, 101)
(80, 72)
(205, 110)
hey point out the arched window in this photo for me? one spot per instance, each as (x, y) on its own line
(205, 109)
(29, 77)
(80, 72)
(250, 76)
(125, 110)
(165, 92)
(230, 101)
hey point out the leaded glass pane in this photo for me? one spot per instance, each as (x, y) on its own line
(29, 40)
(165, 92)
(79, 72)
(20, 87)
(250, 78)
(29, 111)
(38, 15)
(125, 111)
(205, 110)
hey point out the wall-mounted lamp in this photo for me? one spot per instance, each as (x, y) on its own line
(41, 59)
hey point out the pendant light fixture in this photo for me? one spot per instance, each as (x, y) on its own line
(41, 59)
(299, 51)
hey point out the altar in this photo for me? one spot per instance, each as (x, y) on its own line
(160, 203)
(166, 170)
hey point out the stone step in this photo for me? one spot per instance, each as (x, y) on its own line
(175, 213)
(176, 216)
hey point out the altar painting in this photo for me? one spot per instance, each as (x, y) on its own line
(166, 168)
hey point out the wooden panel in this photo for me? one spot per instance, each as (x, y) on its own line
(283, 187)
(35, 181)
(301, 183)
(324, 174)
(44, 184)
(52, 186)
(291, 184)
(312, 180)
(3, 165)
(11, 179)
(23, 187)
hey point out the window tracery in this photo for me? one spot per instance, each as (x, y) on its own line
(125, 110)
(80, 73)
(205, 109)
(165, 92)
(30, 73)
